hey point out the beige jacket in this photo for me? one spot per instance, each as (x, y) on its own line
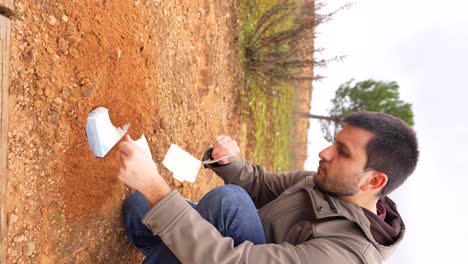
(301, 224)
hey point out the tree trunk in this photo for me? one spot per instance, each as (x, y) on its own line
(330, 118)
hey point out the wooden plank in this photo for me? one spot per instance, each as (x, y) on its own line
(4, 85)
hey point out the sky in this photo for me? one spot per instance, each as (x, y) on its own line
(423, 46)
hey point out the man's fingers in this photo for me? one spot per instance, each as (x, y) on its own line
(126, 148)
(128, 138)
(223, 141)
(219, 140)
(226, 145)
(215, 143)
(224, 152)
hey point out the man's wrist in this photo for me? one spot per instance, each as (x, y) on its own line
(156, 192)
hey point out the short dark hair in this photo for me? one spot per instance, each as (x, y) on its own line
(393, 150)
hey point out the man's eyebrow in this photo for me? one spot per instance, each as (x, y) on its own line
(343, 145)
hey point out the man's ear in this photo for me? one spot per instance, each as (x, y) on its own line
(375, 181)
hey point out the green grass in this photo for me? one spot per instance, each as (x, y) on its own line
(270, 116)
(63, 252)
(59, 217)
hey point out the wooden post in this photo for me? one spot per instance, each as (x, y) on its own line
(5, 5)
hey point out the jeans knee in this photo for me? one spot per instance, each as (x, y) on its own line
(226, 194)
(134, 204)
(229, 191)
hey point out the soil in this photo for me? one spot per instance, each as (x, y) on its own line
(170, 68)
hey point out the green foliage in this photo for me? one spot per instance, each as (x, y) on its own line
(268, 110)
(274, 49)
(368, 95)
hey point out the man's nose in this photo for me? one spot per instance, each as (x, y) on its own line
(326, 154)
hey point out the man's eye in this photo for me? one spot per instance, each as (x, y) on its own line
(342, 153)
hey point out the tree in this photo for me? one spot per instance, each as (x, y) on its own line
(368, 95)
(278, 47)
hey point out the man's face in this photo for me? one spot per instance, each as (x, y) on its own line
(342, 164)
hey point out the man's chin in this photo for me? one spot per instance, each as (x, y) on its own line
(320, 185)
(320, 171)
(318, 181)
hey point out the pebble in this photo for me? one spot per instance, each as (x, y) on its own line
(19, 239)
(58, 101)
(86, 92)
(63, 46)
(13, 219)
(52, 20)
(31, 248)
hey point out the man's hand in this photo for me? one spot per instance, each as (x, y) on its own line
(224, 146)
(138, 170)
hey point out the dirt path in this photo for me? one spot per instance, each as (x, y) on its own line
(169, 67)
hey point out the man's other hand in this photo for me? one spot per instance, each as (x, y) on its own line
(138, 170)
(224, 146)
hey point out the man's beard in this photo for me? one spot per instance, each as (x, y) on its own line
(337, 189)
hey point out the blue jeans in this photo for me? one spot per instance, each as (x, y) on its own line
(228, 208)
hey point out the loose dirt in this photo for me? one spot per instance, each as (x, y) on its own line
(170, 68)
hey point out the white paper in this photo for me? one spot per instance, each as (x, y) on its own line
(184, 166)
(102, 135)
(143, 143)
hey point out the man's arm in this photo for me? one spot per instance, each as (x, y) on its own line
(193, 240)
(262, 186)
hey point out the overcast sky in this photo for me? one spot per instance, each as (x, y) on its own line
(423, 46)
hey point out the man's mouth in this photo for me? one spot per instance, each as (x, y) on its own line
(322, 166)
(319, 170)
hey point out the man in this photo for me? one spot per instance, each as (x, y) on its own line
(340, 214)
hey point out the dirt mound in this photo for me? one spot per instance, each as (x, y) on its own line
(169, 68)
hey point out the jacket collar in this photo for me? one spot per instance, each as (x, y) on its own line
(325, 206)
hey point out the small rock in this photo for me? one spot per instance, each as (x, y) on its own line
(19, 239)
(119, 54)
(19, 6)
(52, 20)
(63, 46)
(31, 248)
(58, 101)
(87, 91)
(65, 92)
(13, 219)
(49, 50)
(64, 18)
(54, 118)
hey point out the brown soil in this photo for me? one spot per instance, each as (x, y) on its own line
(170, 68)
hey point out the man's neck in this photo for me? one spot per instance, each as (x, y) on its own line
(364, 202)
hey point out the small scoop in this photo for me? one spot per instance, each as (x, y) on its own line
(211, 161)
